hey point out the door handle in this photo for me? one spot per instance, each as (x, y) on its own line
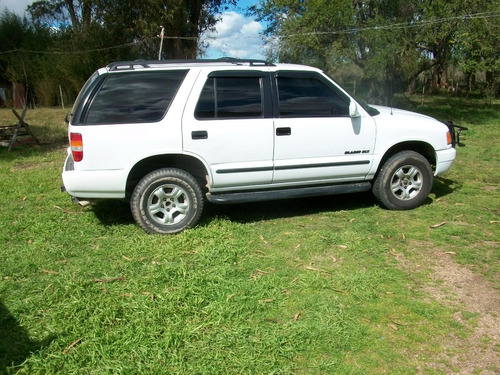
(199, 134)
(283, 131)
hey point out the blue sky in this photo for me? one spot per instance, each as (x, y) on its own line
(236, 35)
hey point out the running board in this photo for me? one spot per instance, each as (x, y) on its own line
(267, 195)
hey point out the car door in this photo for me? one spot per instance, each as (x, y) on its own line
(316, 139)
(228, 124)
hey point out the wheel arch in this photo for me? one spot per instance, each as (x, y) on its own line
(423, 148)
(187, 163)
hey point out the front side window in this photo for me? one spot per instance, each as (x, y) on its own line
(139, 97)
(230, 97)
(310, 96)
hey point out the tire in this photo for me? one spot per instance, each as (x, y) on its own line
(167, 201)
(404, 181)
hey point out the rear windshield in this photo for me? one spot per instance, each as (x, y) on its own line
(138, 97)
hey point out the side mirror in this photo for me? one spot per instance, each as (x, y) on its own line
(353, 110)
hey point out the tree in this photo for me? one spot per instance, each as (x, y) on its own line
(478, 47)
(127, 21)
(88, 34)
(183, 20)
(56, 12)
(391, 42)
(17, 36)
(336, 34)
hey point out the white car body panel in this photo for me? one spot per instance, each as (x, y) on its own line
(340, 148)
(246, 154)
(232, 145)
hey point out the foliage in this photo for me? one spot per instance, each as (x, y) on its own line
(384, 46)
(65, 41)
(56, 12)
(392, 42)
(129, 20)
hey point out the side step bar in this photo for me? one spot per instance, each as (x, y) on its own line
(267, 195)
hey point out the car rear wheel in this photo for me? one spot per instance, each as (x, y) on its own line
(167, 201)
(404, 181)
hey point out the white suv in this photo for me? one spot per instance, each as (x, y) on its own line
(164, 134)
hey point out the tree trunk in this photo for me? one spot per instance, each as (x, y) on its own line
(72, 13)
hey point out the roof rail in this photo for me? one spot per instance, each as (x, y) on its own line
(130, 65)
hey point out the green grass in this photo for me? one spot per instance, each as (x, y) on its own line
(311, 286)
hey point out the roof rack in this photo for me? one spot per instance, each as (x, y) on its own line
(131, 65)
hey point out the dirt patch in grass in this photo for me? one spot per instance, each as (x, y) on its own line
(478, 308)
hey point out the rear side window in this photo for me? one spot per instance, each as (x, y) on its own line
(310, 96)
(136, 97)
(231, 97)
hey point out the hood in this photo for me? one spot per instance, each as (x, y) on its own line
(387, 111)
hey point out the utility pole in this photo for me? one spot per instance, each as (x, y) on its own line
(162, 33)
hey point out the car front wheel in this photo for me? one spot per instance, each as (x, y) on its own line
(167, 201)
(404, 181)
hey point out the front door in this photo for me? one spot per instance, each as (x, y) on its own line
(316, 140)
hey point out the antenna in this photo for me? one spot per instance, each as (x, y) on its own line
(392, 80)
(391, 98)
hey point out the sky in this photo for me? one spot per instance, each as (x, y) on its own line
(236, 35)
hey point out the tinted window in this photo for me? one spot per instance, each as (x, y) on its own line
(84, 94)
(134, 97)
(230, 97)
(310, 97)
(206, 104)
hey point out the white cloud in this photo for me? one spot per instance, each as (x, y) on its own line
(235, 36)
(16, 6)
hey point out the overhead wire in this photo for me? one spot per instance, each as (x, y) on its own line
(396, 26)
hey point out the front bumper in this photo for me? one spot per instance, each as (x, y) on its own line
(444, 160)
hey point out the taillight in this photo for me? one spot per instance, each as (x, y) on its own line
(448, 138)
(76, 143)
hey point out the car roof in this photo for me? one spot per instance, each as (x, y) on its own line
(223, 63)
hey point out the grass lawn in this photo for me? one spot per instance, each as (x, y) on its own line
(330, 285)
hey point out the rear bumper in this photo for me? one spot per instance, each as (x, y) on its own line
(93, 184)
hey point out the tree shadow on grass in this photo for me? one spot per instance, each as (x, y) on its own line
(15, 342)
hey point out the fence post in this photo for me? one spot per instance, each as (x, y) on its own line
(62, 99)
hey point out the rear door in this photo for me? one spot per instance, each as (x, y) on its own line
(228, 124)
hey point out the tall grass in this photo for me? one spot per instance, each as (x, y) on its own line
(323, 285)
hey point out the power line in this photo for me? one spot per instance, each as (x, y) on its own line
(396, 26)
(134, 43)
(73, 52)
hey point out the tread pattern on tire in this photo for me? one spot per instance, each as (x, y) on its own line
(171, 176)
(381, 185)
